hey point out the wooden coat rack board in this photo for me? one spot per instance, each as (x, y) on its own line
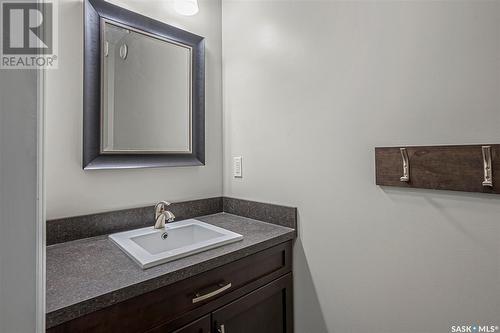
(470, 168)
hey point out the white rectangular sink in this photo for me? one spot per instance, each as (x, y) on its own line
(150, 247)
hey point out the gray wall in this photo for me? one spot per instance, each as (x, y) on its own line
(72, 191)
(18, 207)
(310, 88)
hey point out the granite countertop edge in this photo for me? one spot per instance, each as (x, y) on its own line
(63, 314)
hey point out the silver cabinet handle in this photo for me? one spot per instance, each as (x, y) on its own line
(201, 297)
(406, 165)
(488, 176)
(221, 329)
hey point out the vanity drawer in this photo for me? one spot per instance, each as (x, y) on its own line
(194, 296)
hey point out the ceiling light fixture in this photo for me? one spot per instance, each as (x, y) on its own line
(186, 7)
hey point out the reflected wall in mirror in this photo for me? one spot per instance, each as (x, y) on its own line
(147, 82)
(143, 91)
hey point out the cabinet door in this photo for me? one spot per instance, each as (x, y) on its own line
(201, 325)
(265, 310)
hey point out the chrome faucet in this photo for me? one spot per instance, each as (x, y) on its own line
(162, 215)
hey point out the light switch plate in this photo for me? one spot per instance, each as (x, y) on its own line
(237, 167)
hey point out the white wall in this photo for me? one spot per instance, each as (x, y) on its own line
(310, 88)
(21, 248)
(72, 191)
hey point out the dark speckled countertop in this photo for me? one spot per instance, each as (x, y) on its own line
(89, 274)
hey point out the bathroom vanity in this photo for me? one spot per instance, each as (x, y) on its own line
(225, 267)
(246, 286)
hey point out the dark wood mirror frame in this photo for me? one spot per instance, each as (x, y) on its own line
(95, 10)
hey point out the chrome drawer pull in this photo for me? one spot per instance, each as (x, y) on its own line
(223, 287)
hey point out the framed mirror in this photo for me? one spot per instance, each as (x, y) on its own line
(143, 91)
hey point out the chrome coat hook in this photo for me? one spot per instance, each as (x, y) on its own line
(123, 51)
(488, 176)
(106, 48)
(406, 165)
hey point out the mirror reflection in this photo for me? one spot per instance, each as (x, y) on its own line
(146, 102)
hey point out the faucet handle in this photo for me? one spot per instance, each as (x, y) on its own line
(160, 208)
(162, 215)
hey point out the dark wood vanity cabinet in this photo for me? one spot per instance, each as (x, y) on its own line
(266, 310)
(201, 325)
(252, 294)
